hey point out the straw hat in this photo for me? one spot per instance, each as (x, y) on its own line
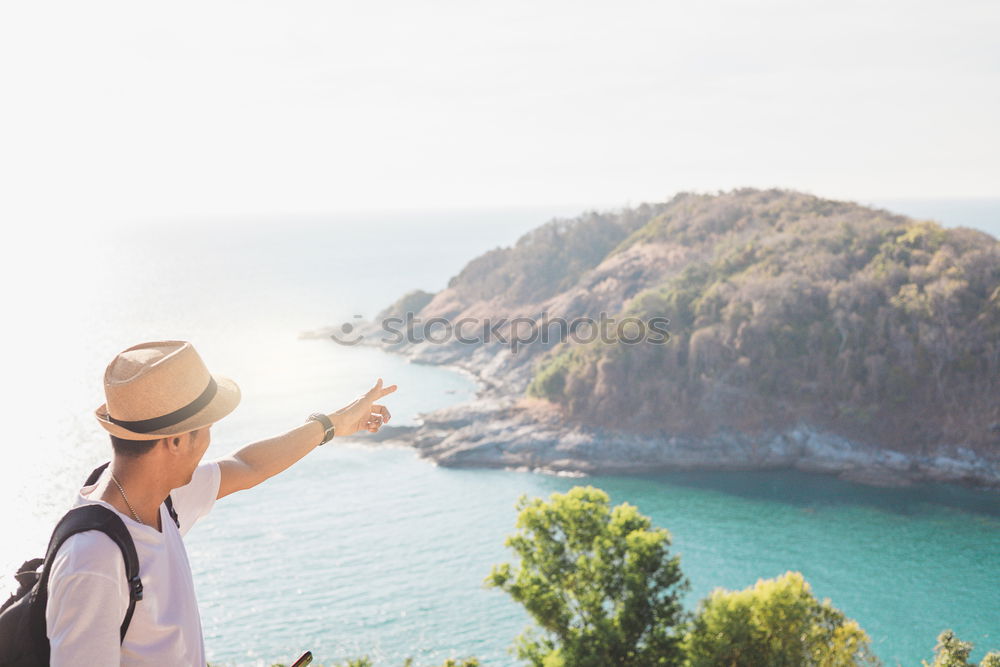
(162, 388)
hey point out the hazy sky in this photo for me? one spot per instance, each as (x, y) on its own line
(194, 109)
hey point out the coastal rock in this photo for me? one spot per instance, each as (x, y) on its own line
(524, 435)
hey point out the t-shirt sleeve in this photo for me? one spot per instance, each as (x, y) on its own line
(196, 498)
(87, 602)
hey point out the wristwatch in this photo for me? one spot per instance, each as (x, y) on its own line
(327, 426)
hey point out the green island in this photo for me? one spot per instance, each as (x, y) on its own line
(803, 333)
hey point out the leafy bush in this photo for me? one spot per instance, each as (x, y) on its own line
(776, 622)
(952, 652)
(599, 582)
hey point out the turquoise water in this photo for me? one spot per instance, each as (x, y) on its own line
(360, 550)
(375, 551)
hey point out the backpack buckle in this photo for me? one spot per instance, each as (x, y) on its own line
(135, 589)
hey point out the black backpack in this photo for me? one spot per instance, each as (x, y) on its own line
(23, 638)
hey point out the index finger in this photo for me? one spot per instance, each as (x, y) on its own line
(378, 391)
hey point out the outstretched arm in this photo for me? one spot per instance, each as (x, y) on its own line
(251, 465)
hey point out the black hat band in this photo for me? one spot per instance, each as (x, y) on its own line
(173, 418)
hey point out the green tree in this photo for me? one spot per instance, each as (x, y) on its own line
(777, 622)
(599, 582)
(953, 652)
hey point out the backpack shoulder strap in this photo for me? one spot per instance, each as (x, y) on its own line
(82, 519)
(96, 474)
(169, 502)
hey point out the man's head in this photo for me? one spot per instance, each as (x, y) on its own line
(162, 402)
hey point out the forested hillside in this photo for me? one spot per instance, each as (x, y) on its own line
(795, 308)
(784, 309)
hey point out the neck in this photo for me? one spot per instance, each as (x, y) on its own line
(145, 486)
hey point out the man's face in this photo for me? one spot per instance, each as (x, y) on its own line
(197, 445)
(201, 439)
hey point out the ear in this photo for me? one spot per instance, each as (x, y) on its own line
(175, 443)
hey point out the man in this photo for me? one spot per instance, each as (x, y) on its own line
(161, 404)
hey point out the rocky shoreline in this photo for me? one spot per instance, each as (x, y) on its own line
(520, 435)
(501, 428)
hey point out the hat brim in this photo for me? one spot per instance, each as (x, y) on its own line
(227, 397)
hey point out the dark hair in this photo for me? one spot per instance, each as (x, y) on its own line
(131, 448)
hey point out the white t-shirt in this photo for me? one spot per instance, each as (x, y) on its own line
(88, 594)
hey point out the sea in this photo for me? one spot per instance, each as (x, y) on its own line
(360, 550)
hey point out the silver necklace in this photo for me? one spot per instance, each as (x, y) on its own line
(125, 498)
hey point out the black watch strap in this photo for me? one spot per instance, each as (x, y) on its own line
(327, 426)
